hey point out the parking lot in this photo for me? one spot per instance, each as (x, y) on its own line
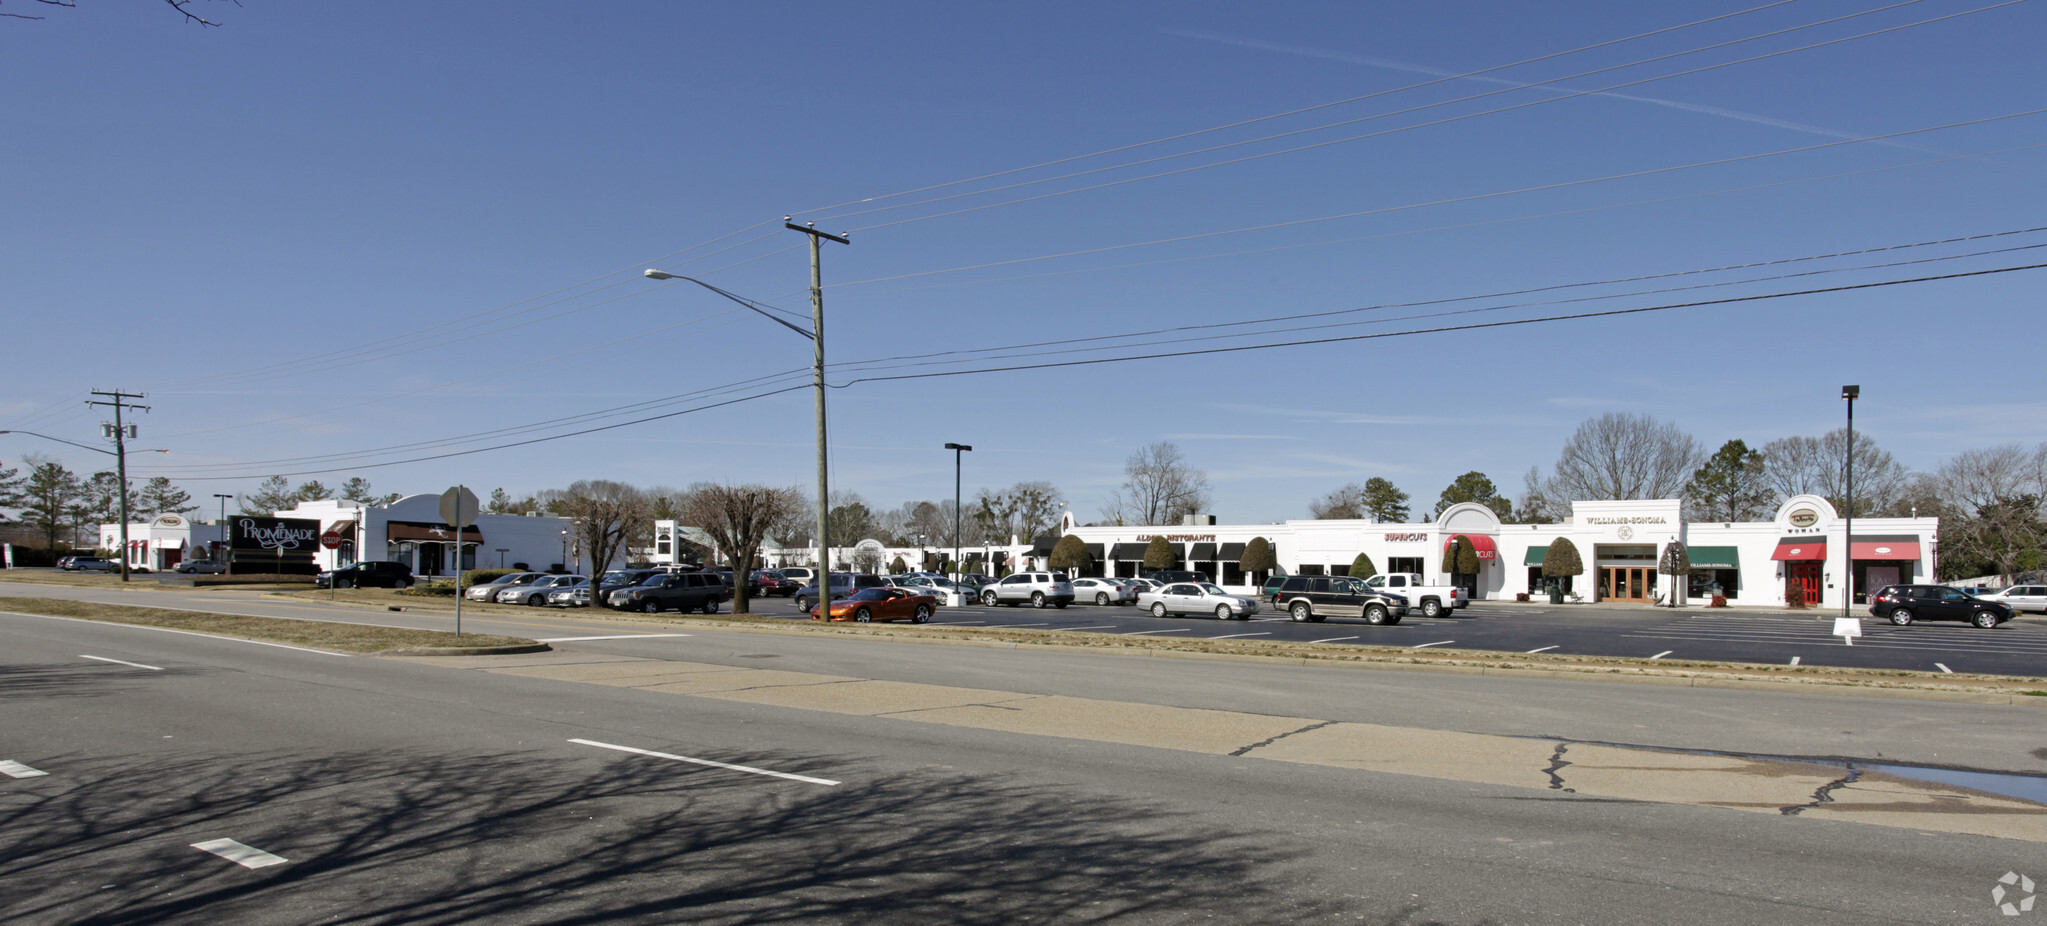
(1776, 638)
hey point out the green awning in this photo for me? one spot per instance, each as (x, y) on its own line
(1715, 557)
(1535, 555)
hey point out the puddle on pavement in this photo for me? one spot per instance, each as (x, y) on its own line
(2024, 787)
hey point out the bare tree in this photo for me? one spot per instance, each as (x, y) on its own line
(1993, 497)
(1024, 510)
(1817, 466)
(1346, 503)
(1620, 456)
(1536, 506)
(1159, 488)
(738, 518)
(607, 516)
(182, 6)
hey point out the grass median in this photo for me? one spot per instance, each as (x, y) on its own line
(334, 637)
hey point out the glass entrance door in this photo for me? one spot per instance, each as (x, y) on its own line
(1626, 583)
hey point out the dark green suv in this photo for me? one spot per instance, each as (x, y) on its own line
(1312, 598)
(673, 591)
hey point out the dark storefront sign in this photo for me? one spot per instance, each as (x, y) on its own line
(282, 545)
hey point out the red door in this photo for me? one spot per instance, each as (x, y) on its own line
(1805, 575)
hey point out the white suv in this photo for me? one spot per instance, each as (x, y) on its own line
(1037, 588)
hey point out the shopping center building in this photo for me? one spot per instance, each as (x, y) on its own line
(1619, 543)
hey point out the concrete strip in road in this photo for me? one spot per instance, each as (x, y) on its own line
(1588, 770)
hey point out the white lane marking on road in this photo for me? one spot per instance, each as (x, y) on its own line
(709, 762)
(245, 856)
(1663, 654)
(122, 662)
(1332, 640)
(1090, 627)
(1427, 645)
(1267, 620)
(1232, 636)
(966, 622)
(13, 769)
(1139, 633)
(1794, 659)
(189, 633)
(1943, 668)
(620, 636)
(1543, 649)
(1000, 626)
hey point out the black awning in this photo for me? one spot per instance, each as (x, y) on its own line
(429, 532)
(1128, 551)
(1230, 552)
(1042, 545)
(1202, 552)
(1094, 552)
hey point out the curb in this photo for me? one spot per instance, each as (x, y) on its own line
(513, 650)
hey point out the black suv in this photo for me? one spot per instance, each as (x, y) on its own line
(1312, 598)
(367, 574)
(678, 591)
(1903, 604)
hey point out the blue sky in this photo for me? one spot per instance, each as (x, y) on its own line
(327, 237)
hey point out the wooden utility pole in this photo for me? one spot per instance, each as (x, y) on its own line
(824, 499)
(120, 433)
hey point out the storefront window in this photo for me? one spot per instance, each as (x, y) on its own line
(1403, 564)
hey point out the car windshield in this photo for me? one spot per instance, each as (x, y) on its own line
(871, 594)
(1212, 590)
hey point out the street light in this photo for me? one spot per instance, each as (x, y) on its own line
(957, 450)
(1850, 393)
(816, 336)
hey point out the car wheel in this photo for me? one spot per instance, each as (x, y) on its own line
(862, 616)
(1301, 612)
(1224, 612)
(1158, 609)
(402, 583)
(988, 598)
(710, 606)
(650, 606)
(1101, 598)
(1037, 599)
(1901, 616)
(1375, 614)
(1985, 620)
(534, 601)
(1432, 608)
(923, 614)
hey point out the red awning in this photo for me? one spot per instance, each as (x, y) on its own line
(1884, 549)
(1800, 549)
(1479, 542)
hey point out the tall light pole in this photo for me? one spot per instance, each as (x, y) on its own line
(816, 336)
(1850, 393)
(222, 523)
(957, 450)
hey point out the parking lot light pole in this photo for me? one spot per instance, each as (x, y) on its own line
(957, 450)
(1850, 393)
(222, 524)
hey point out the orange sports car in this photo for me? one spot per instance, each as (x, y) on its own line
(881, 604)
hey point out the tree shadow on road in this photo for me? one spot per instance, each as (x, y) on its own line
(567, 837)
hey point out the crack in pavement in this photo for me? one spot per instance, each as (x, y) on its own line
(1825, 793)
(1271, 740)
(1556, 766)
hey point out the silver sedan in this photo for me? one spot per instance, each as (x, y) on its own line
(1197, 598)
(1105, 591)
(535, 593)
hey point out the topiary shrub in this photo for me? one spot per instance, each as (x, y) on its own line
(1362, 567)
(481, 576)
(1070, 553)
(430, 590)
(1161, 554)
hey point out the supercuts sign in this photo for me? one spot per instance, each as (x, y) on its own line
(275, 536)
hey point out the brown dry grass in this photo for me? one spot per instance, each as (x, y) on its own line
(335, 637)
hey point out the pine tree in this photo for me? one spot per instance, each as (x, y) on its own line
(159, 497)
(273, 496)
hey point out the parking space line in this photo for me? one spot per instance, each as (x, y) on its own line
(1000, 626)
(1333, 640)
(1426, 645)
(965, 622)
(1544, 649)
(617, 636)
(1794, 660)
(122, 662)
(1943, 668)
(709, 762)
(1089, 627)
(245, 856)
(1232, 636)
(1662, 654)
(1139, 633)
(13, 769)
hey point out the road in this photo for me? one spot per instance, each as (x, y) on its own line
(458, 790)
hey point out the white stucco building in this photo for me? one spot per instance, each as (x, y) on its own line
(410, 531)
(161, 543)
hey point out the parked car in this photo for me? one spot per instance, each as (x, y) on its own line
(936, 586)
(571, 596)
(1903, 604)
(1170, 576)
(620, 578)
(91, 564)
(534, 594)
(1312, 598)
(1144, 585)
(673, 591)
(1197, 598)
(488, 591)
(770, 582)
(1974, 591)
(976, 579)
(367, 574)
(1270, 590)
(1038, 589)
(804, 575)
(878, 604)
(2021, 598)
(844, 584)
(1105, 591)
(1432, 600)
(201, 567)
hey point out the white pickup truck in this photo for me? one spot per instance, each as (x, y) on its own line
(1430, 600)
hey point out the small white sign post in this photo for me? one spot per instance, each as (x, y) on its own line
(459, 507)
(1848, 628)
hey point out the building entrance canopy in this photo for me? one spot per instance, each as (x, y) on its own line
(1800, 549)
(1479, 542)
(427, 532)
